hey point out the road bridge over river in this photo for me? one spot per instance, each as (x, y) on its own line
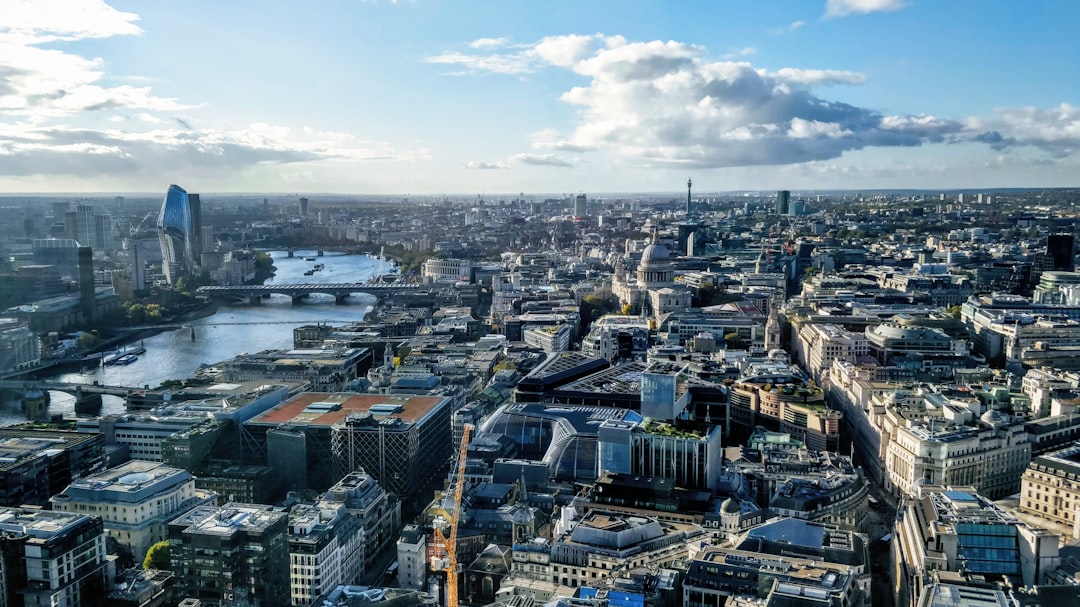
(300, 291)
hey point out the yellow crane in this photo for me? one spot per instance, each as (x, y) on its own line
(451, 563)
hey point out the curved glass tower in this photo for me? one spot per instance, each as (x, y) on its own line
(175, 230)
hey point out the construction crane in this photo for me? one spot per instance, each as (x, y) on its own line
(450, 565)
(135, 229)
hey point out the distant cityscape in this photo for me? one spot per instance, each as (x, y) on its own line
(744, 399)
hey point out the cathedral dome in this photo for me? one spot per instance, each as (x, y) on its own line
(655, 253)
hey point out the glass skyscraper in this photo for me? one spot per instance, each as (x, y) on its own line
(177, 232)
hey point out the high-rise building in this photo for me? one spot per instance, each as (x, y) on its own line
(195, 204)
(84, 225)
(303, 207)
(178, 233)
(581, 206)
(86, 283)
(783, 202)
(104, 234)
(1059, 248)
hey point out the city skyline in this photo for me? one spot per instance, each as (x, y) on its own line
(430, 97)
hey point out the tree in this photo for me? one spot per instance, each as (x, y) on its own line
(87, 340)
(506, 365)
(954, 311)
(158, 557)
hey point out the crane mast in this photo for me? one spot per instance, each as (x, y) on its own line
(451, 543)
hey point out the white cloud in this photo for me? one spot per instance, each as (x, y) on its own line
(483, 43)
(566, 50)
(804, 76)
(794, 25)
(549, 160)
(667, 103)
(29, 149)
(480, 165)
(743, 52)
(37, 21)
(843, 8)
(510, 63)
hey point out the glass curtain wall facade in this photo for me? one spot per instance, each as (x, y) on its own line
(176, 233)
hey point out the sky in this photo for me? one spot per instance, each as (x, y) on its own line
(430, 97)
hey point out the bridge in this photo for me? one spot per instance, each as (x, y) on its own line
(76, 389)
(87, 396)
(300, 291)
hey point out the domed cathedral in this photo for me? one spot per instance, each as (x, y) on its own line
(654, 286)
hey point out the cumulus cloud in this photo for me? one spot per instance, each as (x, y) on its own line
(843, 8)
(47, 89)
(40, 82)
(480, 165)
(1055, 130)
(667, 103)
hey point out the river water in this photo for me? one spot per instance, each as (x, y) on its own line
(232, 330)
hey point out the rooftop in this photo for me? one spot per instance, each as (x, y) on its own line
(322, 409)
(40, 524)
(132, 482)
(228, 519)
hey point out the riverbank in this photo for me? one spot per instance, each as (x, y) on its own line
(123, 338)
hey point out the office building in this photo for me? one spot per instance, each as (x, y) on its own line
(691, 459)
(20, 348)
(134, 500)
(377, 512)
(37, 464)
(954, 529)
(602, 542)
(716, 574)
(773, 395)
(87, 292)
(177, 234)
(1059, 252)
(401, 440)
(412, 558)
(325, 550)
(783, 202)
(447, 270)
(52, 559)
(323, 370)
(581, 207)
(1050, 488)
(223, 555)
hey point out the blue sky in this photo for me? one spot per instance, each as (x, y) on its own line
(441, 96)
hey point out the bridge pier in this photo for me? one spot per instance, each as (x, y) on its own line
(340, 299)
(318, 253)
(36, 404)
(87, 404)
(296, 299)
(255, 300)
(290, 253)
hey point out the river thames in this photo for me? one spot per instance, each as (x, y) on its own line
(232, 330)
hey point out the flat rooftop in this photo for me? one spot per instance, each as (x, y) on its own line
(327, 409)
(40, 524)
(132, 482)
(228, 519)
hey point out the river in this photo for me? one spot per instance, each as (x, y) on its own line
(232, 330)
